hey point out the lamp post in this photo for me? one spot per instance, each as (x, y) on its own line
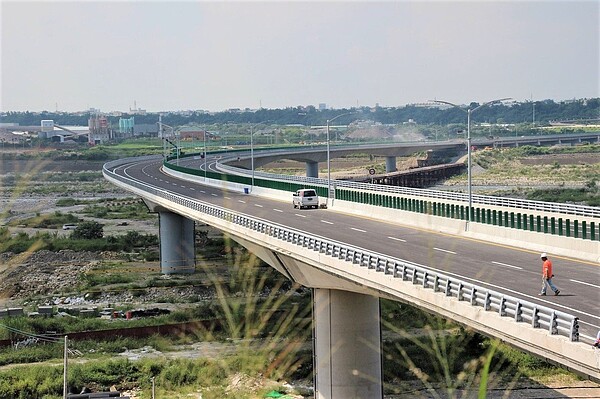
(328, 154)
(469, 111)
(252, 148)
(205, 153)
(160, 125)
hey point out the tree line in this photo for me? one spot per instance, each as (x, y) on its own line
(514, 113)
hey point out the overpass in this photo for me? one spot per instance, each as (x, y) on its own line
(355, 252)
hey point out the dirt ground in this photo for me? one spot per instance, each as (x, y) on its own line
(36, 274)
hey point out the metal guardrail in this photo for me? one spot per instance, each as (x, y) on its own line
(540, 206)
(553, 321)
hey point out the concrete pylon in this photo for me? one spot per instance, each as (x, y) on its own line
(390, 164)
(312, 169)
(176, 236)
(347, 345)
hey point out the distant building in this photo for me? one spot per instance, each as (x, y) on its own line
(322, 106)
(126, 126)
(100, 131)
(145, 129)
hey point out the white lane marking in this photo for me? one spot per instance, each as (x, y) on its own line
(504, 264)
(302, 216)
(325, 221)
(258, 205)
(444, 250)
(583, 282)
(243, 202)
(202, 191)
(227, 197)
(214, 195)
(359, 230)
(192, 188)
(277, 210)
(397, 239)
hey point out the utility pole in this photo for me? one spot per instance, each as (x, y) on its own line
(65, 389)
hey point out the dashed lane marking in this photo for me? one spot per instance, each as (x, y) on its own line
(504, 264)
(397, 239)
(584, 283)
(444, 250)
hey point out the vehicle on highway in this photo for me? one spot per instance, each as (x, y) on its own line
(305, 198)
(69, 226)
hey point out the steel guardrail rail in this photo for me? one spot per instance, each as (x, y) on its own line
(553, 321)
(540, 206)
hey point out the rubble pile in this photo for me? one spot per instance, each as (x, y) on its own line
(43, 272)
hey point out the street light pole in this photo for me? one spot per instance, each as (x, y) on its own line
(252, 153)
(329, 155)
(205, 154)
(469, 111)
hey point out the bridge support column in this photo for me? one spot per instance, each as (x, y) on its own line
(347, 345)
(390, 164)
(176, 235)
(312, 169)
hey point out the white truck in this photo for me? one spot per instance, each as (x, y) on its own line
(305, 198)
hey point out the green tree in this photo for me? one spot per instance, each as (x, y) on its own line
(89, 230)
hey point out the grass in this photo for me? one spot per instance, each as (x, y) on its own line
(266, 317)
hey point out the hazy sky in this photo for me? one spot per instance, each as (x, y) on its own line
(169, 55)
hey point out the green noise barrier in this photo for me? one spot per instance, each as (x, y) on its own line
(521, 221)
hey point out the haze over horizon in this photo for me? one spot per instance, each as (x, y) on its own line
(190, 55)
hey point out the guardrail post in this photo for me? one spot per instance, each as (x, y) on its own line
(425, 280)
(494, 217)
(568, 227)
(473, 296)
(459, 293)
(553, 225)
(518, 311)
(583, 229)
(512, 220)
(519, 226)
(502, 306)
(576, 228)
(552, 330)
(447, 289)
(535, 317)
(436, 281)
(574, 334)
(592, 231)
(487, 303)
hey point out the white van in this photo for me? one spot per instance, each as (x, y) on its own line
(305, 198)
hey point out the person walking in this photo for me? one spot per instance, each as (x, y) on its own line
(547, 275)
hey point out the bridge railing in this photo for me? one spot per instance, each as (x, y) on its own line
(540, 206)
(553, 321)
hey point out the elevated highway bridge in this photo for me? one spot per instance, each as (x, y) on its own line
(410, 245)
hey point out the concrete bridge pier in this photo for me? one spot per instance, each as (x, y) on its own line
(312, 169)
(390, 164)
(176, 236)
(347, 345)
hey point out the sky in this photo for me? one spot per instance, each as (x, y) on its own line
(191, 55)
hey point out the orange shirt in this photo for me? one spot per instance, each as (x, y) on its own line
(547, 269)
